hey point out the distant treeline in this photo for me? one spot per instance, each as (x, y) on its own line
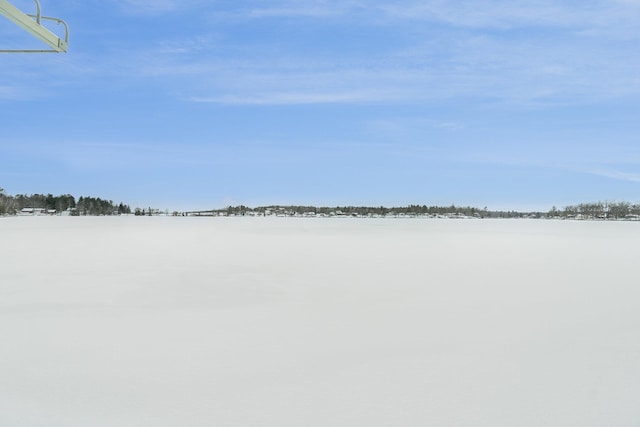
(598, 210)
(10, 205)
(410, 210)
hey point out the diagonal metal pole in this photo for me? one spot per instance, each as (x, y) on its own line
(32, 26)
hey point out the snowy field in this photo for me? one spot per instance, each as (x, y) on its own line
(203, 322)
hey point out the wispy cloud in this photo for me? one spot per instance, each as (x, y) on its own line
(291, 98)
(495, 14)
(401, 127)
(463, 57)
(317, 9)
(13, 93)
(616, 174)
(300, 11)
(496, 70)
(489, 14)
(453, 50)
(154, 7)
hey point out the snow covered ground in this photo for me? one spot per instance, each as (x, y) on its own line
(131, 322)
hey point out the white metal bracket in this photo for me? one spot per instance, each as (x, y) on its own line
(32, 24)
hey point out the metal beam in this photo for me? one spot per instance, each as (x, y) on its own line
(33, 26)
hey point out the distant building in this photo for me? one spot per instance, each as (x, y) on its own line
(32, 211)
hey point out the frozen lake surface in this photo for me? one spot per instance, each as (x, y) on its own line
(203, 322)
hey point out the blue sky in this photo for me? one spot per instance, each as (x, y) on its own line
(195, 104)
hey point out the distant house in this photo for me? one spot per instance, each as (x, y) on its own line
(37, 212)
(32, 211)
